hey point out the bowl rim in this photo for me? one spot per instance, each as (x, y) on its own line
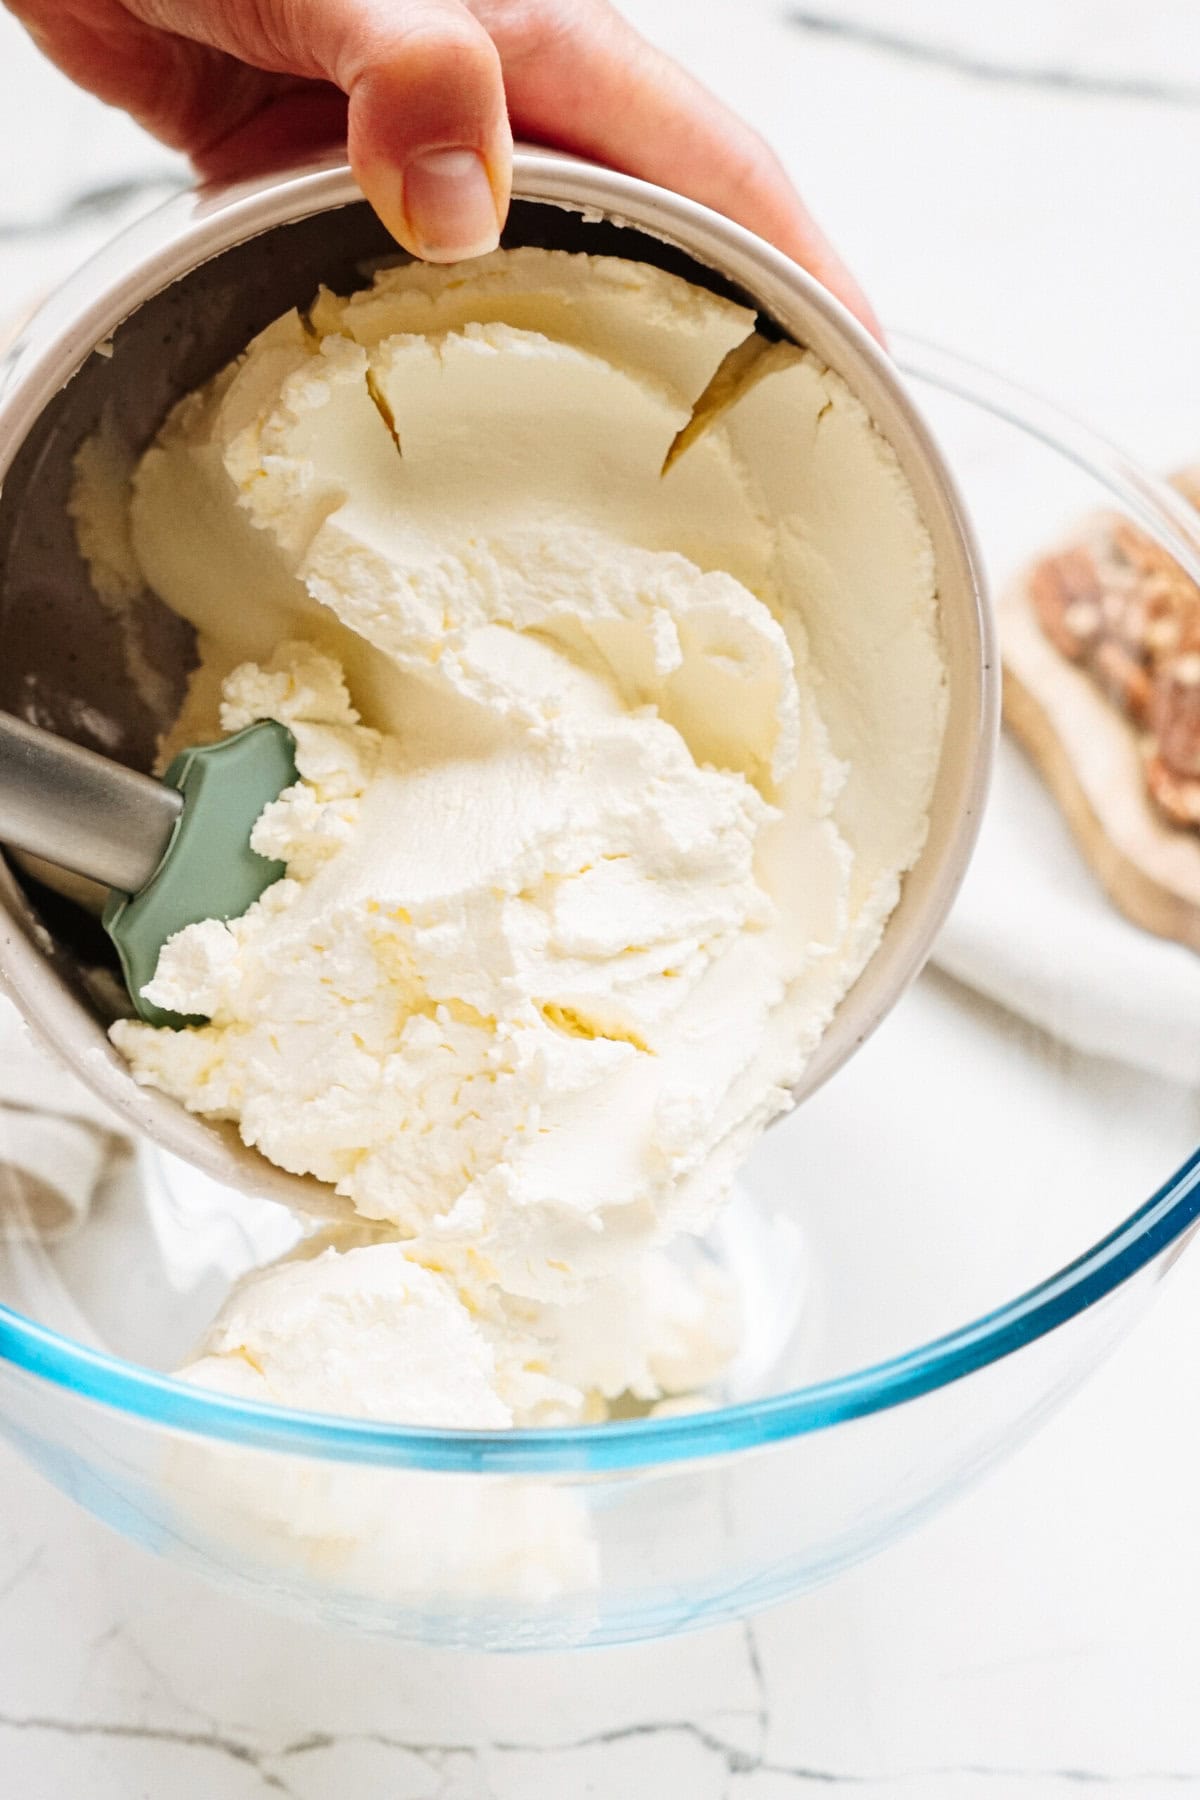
(627, 1445)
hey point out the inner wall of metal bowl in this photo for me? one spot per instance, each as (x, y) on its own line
(63, 658)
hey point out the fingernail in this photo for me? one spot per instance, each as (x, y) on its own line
(449, 205)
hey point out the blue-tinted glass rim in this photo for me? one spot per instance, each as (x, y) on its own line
(155, 1399)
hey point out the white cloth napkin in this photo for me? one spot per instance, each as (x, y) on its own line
(1033, 930)
(56, 1138)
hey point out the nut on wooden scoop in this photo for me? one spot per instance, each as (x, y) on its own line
(1102, 685)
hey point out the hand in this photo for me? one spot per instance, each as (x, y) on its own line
(424, 90)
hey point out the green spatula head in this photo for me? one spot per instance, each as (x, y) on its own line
(208, 870)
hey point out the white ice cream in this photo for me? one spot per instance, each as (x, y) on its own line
(609, 778)
(369, 1331)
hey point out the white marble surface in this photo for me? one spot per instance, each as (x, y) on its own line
(1021, 183)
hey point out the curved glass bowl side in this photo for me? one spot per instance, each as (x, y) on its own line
(1153, 502)
(1137, 1244)
(509, 1562)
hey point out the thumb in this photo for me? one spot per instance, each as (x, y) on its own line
(429, 136)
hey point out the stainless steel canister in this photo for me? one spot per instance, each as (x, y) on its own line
(169, 303)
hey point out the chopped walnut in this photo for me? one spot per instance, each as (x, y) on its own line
(1067, 596)
(1117, 604)
(1174, 715)
(1178, 796)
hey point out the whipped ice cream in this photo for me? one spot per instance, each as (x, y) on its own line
(612, 757)
(369, 1331)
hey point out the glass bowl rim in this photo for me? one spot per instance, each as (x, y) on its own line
(642, 1444)
(627, 1445)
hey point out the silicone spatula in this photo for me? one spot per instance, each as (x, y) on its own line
(173, 851)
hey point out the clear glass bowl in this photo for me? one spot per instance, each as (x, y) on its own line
(934, 1250)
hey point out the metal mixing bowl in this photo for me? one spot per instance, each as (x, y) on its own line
(167, 305)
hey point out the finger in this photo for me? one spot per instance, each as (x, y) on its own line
(578, 75)
(429, 136)
(428, 126)
(286, 124)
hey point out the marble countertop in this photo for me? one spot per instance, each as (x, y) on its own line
(1019, 183)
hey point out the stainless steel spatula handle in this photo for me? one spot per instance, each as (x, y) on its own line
(80, 810)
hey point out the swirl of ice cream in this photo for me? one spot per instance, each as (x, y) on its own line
(611, 757)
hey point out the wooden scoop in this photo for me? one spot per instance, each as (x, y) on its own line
(1101, 644)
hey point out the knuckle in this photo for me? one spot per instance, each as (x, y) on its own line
(432, 46)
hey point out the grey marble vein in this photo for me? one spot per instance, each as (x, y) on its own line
(736, 1760)
(762, 1717)
(11, 1582)
(979, 68)
(90, 205)
(156, 1734)
(436, 1755)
